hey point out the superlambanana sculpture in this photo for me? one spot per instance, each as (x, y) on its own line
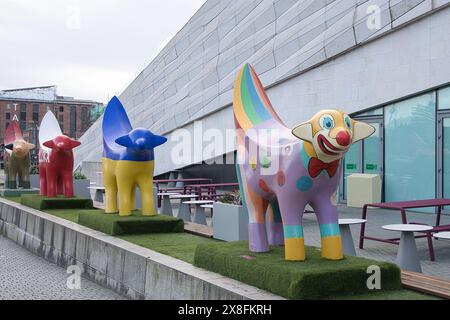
(55, 159)
(17, 158)
(287, 169)
(128, 161)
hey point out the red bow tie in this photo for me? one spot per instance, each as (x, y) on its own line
(316, 166)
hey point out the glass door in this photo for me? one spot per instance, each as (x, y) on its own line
(364, 157)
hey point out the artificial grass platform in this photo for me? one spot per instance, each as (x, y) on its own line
(44, 203)
(115, 225)
(17, 192)
(177, 245)
(315, 278)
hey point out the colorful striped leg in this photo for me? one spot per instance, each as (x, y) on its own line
(255, 208)
(329, 230)
(257, 233)
(276, 235)
(294, 240)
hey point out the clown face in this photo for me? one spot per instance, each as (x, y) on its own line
(332, 133)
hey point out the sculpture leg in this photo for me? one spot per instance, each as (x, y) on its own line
(329, 229)
(124, 188)
(256, 208)
(257, 234)
(148, 203)
(276, 235)
(110, 183)
(52, 181)
(133, 197)
(110, 193)
(24, 179)
(42, 179)
(12, 178)
(294, 239)
(60, 186)
(67, 179)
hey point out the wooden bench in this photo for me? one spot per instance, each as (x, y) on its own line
(426, 284)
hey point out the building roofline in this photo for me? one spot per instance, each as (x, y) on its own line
(56, 101)
(30, 88)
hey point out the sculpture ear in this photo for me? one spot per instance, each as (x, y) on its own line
(304, 132)
(30, 146)
(9, 146)
(361, 131)
(75, 144)
(49, 144)
(158, 140)
(125, 141)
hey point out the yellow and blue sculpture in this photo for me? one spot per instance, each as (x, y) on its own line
(128, 162)
(299, 167)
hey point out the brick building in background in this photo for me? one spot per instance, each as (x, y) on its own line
(28, 107)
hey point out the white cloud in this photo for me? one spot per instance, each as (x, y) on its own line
(91, 49)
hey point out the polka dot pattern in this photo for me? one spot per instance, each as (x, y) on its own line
(263, 186)
(304, 184)
(281, 178)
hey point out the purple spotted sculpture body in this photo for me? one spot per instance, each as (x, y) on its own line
(285, 170)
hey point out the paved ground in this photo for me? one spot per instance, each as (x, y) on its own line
(24, 276)
(387, 252)
(378, 250)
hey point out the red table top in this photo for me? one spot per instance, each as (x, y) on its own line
(412, 204)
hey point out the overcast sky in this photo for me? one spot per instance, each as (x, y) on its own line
(90, 49)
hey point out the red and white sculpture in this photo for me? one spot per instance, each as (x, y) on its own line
(55, 159)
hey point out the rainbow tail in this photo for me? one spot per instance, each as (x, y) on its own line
(251, 105)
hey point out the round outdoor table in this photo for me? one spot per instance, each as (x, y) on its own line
(346, 234)
(166, 207)
(199, 215)
(442, 235)
(407, 256)
(184, 212)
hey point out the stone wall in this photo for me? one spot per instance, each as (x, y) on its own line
(130, 270)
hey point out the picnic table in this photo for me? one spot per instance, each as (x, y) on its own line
(175, 189)
(199, 214)
(158, 182)
(402, 206)
(210, 189)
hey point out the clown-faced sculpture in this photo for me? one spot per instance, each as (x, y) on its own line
(55, 159)
(128, 162)
(17, 158)
(286, 169)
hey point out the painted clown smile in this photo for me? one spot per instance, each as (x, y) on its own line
(327, 147)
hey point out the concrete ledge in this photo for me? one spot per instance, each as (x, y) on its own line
(130, 270)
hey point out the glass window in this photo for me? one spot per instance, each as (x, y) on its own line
(372, 151)
(61, 109)
(8, 116)
(410, 145)
(351, 164)
(444, 98)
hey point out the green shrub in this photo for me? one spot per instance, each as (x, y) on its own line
(79, 176)
(232, 198)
